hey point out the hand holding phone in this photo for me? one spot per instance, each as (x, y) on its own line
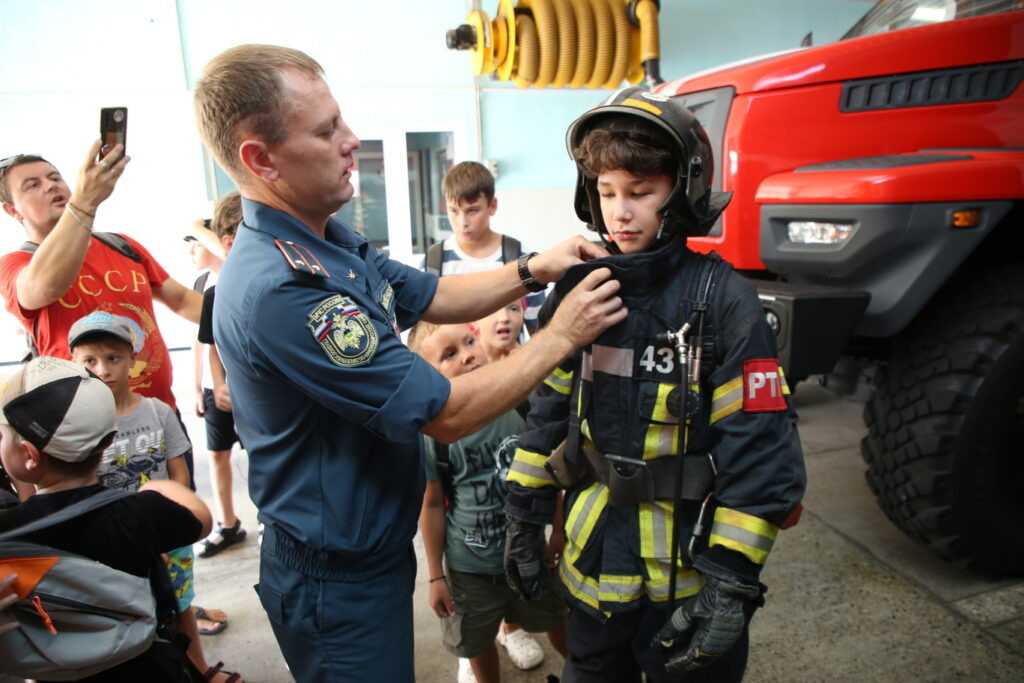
(113, 128)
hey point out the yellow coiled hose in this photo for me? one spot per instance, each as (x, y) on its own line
(579, 43)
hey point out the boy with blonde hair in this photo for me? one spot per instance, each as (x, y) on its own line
(464, 541)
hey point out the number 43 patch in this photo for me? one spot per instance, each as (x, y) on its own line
(763, 386)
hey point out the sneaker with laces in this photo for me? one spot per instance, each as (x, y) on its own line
(522, 649)
(220, 538)
(466, 674)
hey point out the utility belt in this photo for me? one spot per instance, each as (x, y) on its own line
(328, 565)
(632, 481)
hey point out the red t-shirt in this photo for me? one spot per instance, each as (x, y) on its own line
(109, 282)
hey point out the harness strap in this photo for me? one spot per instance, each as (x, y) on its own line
(650, 479)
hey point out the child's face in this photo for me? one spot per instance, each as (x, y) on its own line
(471, 220)
(500, 330)
(629, 205)
(109, 360)
(452, 350)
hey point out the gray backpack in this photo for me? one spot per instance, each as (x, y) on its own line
(77, 616)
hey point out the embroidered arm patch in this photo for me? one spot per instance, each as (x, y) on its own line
(762, 386)
(343, 331)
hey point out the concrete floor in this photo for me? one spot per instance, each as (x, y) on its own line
(850, 598)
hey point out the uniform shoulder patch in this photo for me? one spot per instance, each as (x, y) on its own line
(762, 386)
(343, 331)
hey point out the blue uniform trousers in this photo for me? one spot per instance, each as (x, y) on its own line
(337, 623)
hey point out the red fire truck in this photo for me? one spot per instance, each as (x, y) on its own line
(878, 185)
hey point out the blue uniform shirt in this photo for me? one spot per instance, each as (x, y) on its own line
(327, 399)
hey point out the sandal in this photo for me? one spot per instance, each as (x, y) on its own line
(232, 677)
(219, 624)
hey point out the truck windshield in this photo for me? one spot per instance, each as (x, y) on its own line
(891, 15)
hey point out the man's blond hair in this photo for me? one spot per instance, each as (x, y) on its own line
(240, 93)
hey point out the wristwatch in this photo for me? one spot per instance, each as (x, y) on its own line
(524, 274)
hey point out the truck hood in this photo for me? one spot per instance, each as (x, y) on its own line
(977, 40)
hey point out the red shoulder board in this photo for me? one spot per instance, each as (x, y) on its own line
(762, 386)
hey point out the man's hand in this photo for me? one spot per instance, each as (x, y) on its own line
(7, 598)
(525, 568)
(96, 179)
(589, 309)
(708, 624)
(550, 265)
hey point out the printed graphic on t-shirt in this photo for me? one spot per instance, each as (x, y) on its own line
(489, 492)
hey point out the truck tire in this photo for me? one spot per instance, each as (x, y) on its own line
(945, 443)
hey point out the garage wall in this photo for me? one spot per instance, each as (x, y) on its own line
(386, 61)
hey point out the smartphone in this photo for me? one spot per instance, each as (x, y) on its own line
(113, 127)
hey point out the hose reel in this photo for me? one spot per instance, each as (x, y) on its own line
(559, 43)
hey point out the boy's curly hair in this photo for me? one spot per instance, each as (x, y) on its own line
(625, 143)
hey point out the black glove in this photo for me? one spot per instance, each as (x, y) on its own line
(709, 623)
(525, 570)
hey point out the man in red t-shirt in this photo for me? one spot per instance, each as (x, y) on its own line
(70, 275)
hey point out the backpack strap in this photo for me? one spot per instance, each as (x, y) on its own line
(114, 241)
(435, 253)
(511, 249)
(442, 452)
(93, 502)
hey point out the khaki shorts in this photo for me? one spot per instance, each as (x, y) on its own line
(482, 601)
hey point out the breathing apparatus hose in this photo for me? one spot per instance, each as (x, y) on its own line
(558, 43)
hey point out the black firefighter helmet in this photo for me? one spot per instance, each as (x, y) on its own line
(692, 207)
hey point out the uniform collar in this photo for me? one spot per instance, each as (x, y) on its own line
(638, 273)
(278, 224)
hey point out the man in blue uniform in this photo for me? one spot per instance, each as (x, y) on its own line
(327, 399)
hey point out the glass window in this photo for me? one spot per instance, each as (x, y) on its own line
(367, 213)
(430, 157)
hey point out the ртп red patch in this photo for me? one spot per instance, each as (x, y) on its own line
(762, 386)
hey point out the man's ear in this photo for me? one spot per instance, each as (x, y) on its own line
(12, 212)
(256, 157)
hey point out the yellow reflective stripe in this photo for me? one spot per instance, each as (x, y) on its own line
(560, 381)
(579, 586)
(528, 469)
(585, 512)
(617, 588)
(655, 522)
(659, 440)
(785, 384)
(688, 581)
(727, 399)
(660, 413)
(752, 536)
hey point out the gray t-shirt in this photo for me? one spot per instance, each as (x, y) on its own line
(476, 523)
(146, 439)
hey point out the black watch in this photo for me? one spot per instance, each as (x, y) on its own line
(524, 274)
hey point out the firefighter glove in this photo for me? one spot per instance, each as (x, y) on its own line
(525, 569)
(708, 624)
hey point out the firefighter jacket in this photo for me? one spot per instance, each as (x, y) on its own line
(623, 395)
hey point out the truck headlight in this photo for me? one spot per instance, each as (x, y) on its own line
(818, 232)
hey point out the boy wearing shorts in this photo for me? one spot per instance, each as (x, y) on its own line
(465, 543)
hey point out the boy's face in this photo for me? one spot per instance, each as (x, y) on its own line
(111, 361)
(629, 205)
(471, 220)
(452, 350)
(500, 330)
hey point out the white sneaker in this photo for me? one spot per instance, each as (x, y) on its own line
(523, 650)
(466, 674)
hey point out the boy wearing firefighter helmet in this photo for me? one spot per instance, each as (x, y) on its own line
(672, 433)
